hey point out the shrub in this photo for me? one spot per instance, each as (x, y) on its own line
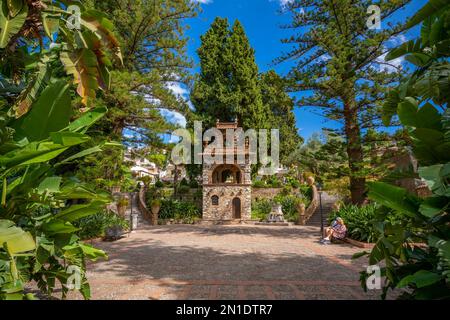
(159, 184)
(183, 189)
(359, 221)
(193, 184)
(179, 210)
(287, 190)
(306, 191)
(295, 183)
(94, 226)
(261, 208)
(273, 182)
(289, 205)
(259, 184)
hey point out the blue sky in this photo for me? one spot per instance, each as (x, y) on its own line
(262, 20)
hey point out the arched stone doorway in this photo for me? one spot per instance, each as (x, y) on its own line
(236, 208)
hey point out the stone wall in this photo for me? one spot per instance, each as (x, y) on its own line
(193, 196)
(265, 193)
(226, 194)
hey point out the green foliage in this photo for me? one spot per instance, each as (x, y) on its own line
(294, 183)
(322, 156)
(424, 271)
(338, 71)
(39, 203)
(159, 184)
(154, 45)
(268, 182)
(227, 86)
(289, 203)
(183, 189)
(179, 210)
(359, 221)
(259, 184)
(261, 208)
(281, 105)
(94, 226)
(107, 169)
(193, 184)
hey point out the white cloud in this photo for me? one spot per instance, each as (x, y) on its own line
(202, 1)
(174, 117)
(177, 89)
(397, 40)
(283, 3)
(390, 66)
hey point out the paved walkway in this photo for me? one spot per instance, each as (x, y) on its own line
(226, 262)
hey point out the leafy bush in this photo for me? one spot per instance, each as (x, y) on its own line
(179, 210)
(295, 183)
(359, 221)
(183, 189)
(94, 226)
(193, 184)
(159, 184)
(289, 205)
(424, 271)
(273, 182)
(261, 208)
(306, 192)
(287, 190)
(259, 184)
(41, 135)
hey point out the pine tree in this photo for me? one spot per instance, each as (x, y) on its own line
(227, 86)
(338, 58)
(154, 57)
(281, 106)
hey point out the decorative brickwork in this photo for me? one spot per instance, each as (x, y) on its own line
(227, 188)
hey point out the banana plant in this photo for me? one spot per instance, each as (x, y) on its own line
(421, 104)
(45, 204)
(82, 40)
(16, 244)
(429, 54)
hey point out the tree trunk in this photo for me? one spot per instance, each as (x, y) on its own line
(354, 152)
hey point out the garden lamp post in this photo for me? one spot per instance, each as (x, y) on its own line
(319, 189)
(131, 211)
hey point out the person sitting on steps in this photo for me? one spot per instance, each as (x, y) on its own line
(337, 230)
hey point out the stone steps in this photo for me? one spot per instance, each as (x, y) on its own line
(327, 207)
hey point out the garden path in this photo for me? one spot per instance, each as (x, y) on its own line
(226, 262)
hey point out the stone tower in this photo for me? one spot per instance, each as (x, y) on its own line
(227, 187)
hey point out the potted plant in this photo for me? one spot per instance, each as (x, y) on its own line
(122, 205)
(155, 206)
(301, 208)
(115, 227)
(310, 180)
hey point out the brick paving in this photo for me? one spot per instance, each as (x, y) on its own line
(226, 262)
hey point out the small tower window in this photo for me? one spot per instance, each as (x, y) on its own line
(215, 200)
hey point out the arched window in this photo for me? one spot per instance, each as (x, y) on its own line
(227, 174)
(215, 200)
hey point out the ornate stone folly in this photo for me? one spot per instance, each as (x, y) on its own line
(227, 187)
